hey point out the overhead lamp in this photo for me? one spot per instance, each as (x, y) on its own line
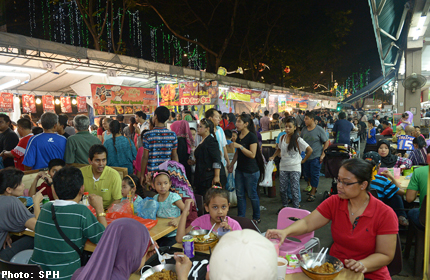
(38, 101)
(10, 84)
(74, 102)
(185, 55)
(137, 79)
(166, 82)
(421, 21)
(14, 74)
(91, 73)
(22, 68)
(57, 101)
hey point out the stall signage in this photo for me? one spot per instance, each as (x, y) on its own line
(66, 104)
(82, 104)
(239, 94)
(195, 93)
(113, 99)
(28, 103)
(6, 102)
(48, 103)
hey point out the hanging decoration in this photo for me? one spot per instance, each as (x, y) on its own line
(352, 84)
(262, 67)
(82, 104)
(28, 104)
(66, 104)
(6, 102)
(223, 72)
(287, 69)
(48, 103)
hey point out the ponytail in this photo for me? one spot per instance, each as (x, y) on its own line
(115, 128)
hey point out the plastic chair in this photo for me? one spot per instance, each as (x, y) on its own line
(246, 223)
(31, 269)
(286, 217)
(22, 257)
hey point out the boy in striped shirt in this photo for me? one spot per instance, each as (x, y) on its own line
(77, 222)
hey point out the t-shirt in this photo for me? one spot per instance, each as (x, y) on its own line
(19, 151)
(108, 186)
(358, 241)
(42, 148)
(70, 130)
(167, 208)
(106, 136)
(204, 222)
(343, 131)
(100, 130)
(377, 122)
(159, 142)
(279, 136)
(78, 146)
(47, 191)
(315, 138)
(384, 187)
(51, 251)
(387, 131)
(13, 216)
(222, 142)
(372, 139)
(418, 182)
(123, 155)
(8, 141)
(244, 163)
(264, 122)
(291, 160)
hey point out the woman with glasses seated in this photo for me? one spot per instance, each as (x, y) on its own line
(363, 228)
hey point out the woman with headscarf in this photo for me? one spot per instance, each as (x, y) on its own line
(185, 142)
(123, 249)
(388, 159)
(231, 122)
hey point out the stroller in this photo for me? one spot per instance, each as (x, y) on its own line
(334, 155)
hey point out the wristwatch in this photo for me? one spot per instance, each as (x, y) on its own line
(102, 215)
(241, 148)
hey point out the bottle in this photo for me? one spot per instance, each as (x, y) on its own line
(85, 199)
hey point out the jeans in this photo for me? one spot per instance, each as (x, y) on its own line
(24, 243)
(414, 216)
(247, 183)
(312, 170)
(396, 202)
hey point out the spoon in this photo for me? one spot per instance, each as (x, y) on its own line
(167, 256)
(196, 272)
(160, 257)
(194, 264)
(209, 233)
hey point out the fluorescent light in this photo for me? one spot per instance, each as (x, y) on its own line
(10, 84)
(421, 21)
(14, 74)
(167, 82)
(223, 88)
(91, 73)
(137, 79)
(22, 68)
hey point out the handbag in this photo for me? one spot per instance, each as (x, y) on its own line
(83, 256)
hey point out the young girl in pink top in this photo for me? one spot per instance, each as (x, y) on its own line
(217, 204)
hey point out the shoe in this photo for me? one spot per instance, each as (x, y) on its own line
(289, 202)
(256, 221)
(403, 221)
(307, 189)
(311, 198)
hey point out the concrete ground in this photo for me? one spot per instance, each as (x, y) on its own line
(269, 220)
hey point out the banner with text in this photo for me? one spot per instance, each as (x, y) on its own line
(28, 103)
(239, 94)
(6, 102)
(82, 104)
(112, 99)
(198, 93)
(66, 104)
(48, 103)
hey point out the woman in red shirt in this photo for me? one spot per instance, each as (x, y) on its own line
(100, 130)
(231, 122)
(363, 228)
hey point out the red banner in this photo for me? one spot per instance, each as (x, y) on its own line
(82, 104)
(28, 104)
(66, 104)
(121, 100)
(6, 102)
(48, 103)
(194, 93)
(169, 95)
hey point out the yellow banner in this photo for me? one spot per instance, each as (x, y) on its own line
(239, 96)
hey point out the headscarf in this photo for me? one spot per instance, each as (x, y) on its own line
(188, 118)
(182, 129)
(178, 177)
(390, 160)
(119, 252)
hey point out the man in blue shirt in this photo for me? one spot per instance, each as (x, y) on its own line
(48, 145)
(342, 130)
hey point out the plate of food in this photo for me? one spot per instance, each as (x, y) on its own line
(128, 110)
(329, 269)
(110, 110)
(162, 271)
(199, 234)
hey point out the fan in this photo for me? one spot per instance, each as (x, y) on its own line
(414, 81)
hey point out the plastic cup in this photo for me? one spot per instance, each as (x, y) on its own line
(275, 243)
(282, 269)
(396, 173)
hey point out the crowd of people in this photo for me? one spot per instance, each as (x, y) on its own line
(204, 156)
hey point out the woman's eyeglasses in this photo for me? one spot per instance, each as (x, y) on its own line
(345, 184)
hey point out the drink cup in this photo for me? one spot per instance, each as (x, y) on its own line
(282, 267)
(275, 243)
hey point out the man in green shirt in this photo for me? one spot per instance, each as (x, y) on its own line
(77, 146)
(100, 179)
(77, 222)
(417, 184)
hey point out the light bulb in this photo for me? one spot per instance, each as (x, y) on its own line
(57, 101)
(38, 101)
(74, 101)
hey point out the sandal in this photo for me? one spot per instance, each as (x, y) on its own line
(256, 221)
(403, 221)
(311, 198)
(307, 189)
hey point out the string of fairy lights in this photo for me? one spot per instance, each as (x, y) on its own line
(62, 22)
(353, 83)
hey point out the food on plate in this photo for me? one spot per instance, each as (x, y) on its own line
(119, 109)
(168, 92)
(128, 109)
(110, 110)
(163, 275)
(201, 238)
(137, 108)
(326, 268)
